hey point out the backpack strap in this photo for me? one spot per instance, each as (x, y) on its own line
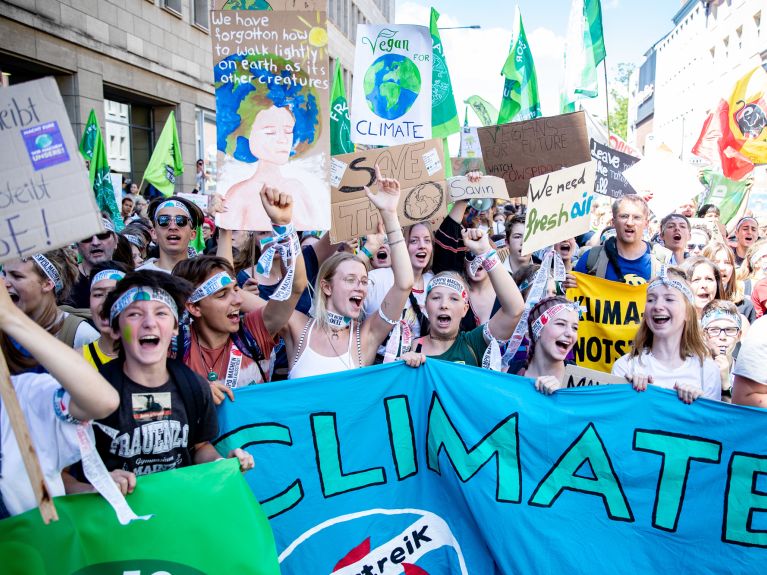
(68, 329)
(95, 355)
(592, 258)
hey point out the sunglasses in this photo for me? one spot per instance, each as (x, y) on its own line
(101, 237)
(164, 220)
(694, 246)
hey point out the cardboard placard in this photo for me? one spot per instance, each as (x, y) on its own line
(583, 377)
(460, 188)
(272, 83)
(559, 206)
(610, 167)
(462, 166)
(199, 200)
(392, 92)
(419, 168)
(520, 151)
(46, 200)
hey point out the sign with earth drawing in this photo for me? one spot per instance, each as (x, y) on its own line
(391, 97)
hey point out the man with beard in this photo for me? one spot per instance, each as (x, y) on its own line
(93, 250)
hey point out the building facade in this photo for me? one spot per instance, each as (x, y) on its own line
(135, 61)
(711, 45)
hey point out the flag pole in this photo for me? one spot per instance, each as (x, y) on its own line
(607, 102)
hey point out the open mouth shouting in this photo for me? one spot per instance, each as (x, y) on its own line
(149, 342)
(563, 345)
(660, 319)
(173, 238)
(234, 317)
(356, 303)
(443, 321)
(382, 256)
(422, 257)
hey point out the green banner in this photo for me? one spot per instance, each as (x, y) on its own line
(444, 115)
(93, 150)
(340, 124)
(484, 110)
(205, 521)
(520, 88)
(725, 193)
(166, 162)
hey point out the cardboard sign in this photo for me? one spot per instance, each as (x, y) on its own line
(419, 167)
(582, 377)
(199, 200)
(610, 167)
(391, 96)
(520, 151)
(460, 188)
(46, 200)
(462, 166)
(272, 82)
(670, 180)
(559, 206)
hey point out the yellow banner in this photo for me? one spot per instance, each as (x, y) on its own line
(611, 315)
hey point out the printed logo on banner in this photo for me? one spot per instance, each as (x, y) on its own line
(412, 541)
(45, 145)
(138, 566)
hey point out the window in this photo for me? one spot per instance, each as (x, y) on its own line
(173, 5)
(200, 10)
(205, 129)
(129, 134)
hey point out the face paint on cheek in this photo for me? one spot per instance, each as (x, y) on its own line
(127, 335)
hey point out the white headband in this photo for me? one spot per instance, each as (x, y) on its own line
(210, 286)
(172, 204)
(50, 271)
(142, 293)
(663, 280)
(541, 321)
(107, 275)
(449, 283)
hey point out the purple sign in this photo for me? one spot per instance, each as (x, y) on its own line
(45, 145)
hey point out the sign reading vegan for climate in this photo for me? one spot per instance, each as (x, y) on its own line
(272, 81)
(391, 97)
(520, 151)
(46, 199)
(559, 206)
(610, 167)
(420, 169)
(447, 470)
(611, 314)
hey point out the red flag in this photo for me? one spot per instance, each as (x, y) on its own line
(718, 145)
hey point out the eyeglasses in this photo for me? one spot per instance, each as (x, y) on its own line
(353, 282)
(632, 217)
(695, 246)
(717, 331)
(164, 220)
(101, 237)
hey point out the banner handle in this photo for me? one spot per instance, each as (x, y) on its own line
(27, 450)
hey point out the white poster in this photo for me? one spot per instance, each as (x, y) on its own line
(469, 147)
(391, 96)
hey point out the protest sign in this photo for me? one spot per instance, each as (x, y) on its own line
(469, 145)
(610, 167)
(272, 81)
(460, 188)
(391, 96)
(559, 206)
(520, 151)
(441, 466)
(583, 377)
(199, 200)
(462, 166)
(46, 200)
(419, 168)
(671, 181)
(189, 508)
(611, 315)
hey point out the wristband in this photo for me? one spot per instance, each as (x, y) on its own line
(365, 251)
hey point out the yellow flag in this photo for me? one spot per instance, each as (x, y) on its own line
(748, 116)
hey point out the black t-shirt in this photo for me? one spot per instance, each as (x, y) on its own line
(150, 432)
(80, 296)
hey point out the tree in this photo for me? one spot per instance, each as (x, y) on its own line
(619, 114)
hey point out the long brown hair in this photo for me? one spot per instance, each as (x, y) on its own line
(691, 264)
(692, 343)
(248, 255)
(731, 288)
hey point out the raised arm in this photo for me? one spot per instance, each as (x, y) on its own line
(92, 397)
(502, 324)
(375, 329)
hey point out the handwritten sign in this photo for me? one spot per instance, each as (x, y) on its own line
(462, 166)
(420, 169)
(391, 96)
(610, 167)
(46, 200)
(520, 151)
(460, 188)
(199, 200)
(272, 82)
(559, 206)
(583, 377)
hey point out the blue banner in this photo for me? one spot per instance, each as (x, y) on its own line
(452, 469)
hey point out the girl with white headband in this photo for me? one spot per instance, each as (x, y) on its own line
(722, 328)
(447, 302)
(166, 417)
(669, 350)
(335, 338)
(35, 285)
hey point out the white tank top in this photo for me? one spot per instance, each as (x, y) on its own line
(311, 363)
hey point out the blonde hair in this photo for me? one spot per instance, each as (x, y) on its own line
(326, 272)
(692, 343)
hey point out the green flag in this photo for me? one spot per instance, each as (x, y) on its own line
(444, 115)
(584, 50)
(340, 125)
(205, 519)
(725, 193)
(93, 150)
(166, 163)
(520, 89)
(484, 110)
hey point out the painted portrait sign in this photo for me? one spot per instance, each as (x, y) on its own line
(272, 81)
(391, 97)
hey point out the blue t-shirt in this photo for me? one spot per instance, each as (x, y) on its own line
(635, 272)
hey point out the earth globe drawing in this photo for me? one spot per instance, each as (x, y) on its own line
(392, 84)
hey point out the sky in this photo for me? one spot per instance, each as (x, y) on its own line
(475, 57)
